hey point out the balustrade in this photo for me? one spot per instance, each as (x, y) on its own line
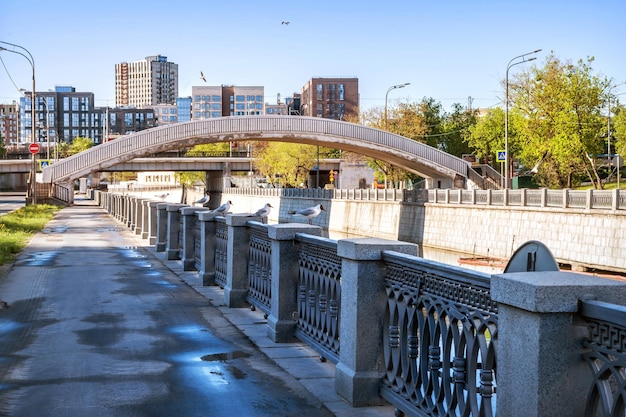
(430, 338)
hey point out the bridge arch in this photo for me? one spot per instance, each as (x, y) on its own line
(416, 157)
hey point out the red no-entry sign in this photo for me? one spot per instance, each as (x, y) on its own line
(33, 148)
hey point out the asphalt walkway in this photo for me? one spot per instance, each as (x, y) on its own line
(98, 323)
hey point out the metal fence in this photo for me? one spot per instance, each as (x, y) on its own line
(319, 295)
(259, 268)
(440, 339)
(221, 252)
(606, 357)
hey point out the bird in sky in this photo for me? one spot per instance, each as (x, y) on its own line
(202, 76)
(284, 22)
(263, 212)
(223, 209)
(310, 213)
(162, 196)
(204, 201)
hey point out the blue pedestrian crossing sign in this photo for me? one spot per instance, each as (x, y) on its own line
(501, 156)
(43, 163)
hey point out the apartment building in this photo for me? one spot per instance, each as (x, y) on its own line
(9, 123)
(330, 98)
(227, 100)
(147, 82)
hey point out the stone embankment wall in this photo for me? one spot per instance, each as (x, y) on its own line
(584, 239)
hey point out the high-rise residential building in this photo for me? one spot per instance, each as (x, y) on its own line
(65, 114)
(330, 98)
(9, 123)
(219, 101)
(183, 106)
(147, 82)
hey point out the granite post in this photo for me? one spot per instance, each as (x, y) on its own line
(284, 279)
(540, 368)
(358, 373)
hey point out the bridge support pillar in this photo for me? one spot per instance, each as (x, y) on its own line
(540, 369)
(281, 322)
(358, 373)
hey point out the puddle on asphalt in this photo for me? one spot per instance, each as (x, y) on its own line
(223, 357)
(56, 229)
(7, 326)
(38, 259)
(108, 229)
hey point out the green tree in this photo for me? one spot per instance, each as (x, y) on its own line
(456, 128)
(561, 105)
(79, 144)
(486, 137)
(286, 163)
(618, 129)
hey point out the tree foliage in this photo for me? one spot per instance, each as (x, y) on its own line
(424, 122)
(287, 164)
(78, 145)
(561, 105)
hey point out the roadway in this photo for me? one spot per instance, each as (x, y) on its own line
(10, 201)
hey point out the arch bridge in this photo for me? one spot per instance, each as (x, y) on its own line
(443, 169)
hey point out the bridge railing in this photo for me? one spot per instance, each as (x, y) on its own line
(430, 338)
(161, 139)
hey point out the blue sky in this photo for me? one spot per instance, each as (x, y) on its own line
(448, 50)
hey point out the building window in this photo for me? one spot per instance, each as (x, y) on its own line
(319, 109)
(216, 106)
(240, 98)
(259, 98)
(74, 103)
(216, 114)
(240, 106)
(320, 91)
(216, 98)
(341, 92)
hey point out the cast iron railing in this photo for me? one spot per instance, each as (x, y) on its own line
(259, 267)
(606, 356)
(319, 295)
(440, 338)
(221, 252)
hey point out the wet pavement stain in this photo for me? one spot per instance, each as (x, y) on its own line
(100, 336)
(223, 357)
(38, 259)
(104, 318)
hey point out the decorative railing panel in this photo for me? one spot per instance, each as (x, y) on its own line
(440, 337)
(221, 252)
(319, 295)
(259, 268)
(606, 356)
(197, 245)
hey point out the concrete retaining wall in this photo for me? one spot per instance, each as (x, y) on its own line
(582, 238)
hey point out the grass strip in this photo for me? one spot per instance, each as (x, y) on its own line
(17, 228)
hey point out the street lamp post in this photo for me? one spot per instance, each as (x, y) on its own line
(608, 133)
(31, 61)
(393, 87)
(506, 111)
